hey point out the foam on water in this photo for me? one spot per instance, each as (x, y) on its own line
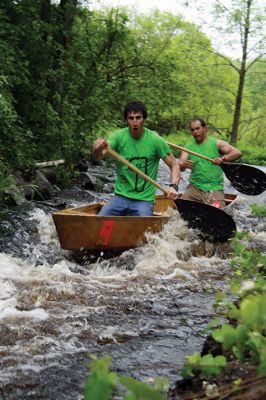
(132, 307)
(157, 257)
(11, 312)
(10, 268)
(46, 228)
(12, 273)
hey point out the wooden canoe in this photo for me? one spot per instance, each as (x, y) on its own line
(82, 229)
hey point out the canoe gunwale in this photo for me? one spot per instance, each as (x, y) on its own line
(80, 228)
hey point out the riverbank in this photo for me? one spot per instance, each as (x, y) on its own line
(232, 364)
(239, 381)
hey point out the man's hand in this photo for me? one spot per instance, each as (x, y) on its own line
(186, 164)
(218, 161)
(98, 149)
(171, 193)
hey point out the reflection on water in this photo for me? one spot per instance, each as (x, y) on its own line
(146, 308)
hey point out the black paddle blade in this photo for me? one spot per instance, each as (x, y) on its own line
(245, 178)
(215, 225)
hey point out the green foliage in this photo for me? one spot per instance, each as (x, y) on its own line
(230, 336)
(207, 364)
(245, 337)
(248, 339)
(66, 73)
(14, 140)
(65, 174)
(102, 383)
(244, 333)
(259, 211)
(247, 263)
(138, 390)
(181, 138)
(7, 182)
(251, 154)
(243, 21)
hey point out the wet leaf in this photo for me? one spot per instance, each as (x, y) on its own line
(101, 382)
(140, 390)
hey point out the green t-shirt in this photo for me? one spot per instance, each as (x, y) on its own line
(205, 175)
(145, 154)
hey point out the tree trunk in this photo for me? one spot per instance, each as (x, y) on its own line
(242, 73)
(65, 15)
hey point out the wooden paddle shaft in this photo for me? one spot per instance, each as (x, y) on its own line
(199, 215)
(176, 147)
(113, 153)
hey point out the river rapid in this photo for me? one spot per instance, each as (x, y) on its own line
(147, 308)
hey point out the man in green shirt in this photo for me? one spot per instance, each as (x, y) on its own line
(144, 149)
(206, 179)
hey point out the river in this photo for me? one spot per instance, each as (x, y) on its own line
(146, 308)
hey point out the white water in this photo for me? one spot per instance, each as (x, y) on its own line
(146, 308)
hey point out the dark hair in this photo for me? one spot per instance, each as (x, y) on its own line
(135, 106)
(203, 123)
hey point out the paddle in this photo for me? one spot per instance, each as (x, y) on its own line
(245, 178)
(215, 225)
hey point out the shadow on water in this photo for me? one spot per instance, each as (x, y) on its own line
(146, 307)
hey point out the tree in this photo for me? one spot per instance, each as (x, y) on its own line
(256, 84)
(184, 78)
(244, 18)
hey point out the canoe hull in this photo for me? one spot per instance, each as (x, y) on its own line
(82, 229)
(105, 232)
